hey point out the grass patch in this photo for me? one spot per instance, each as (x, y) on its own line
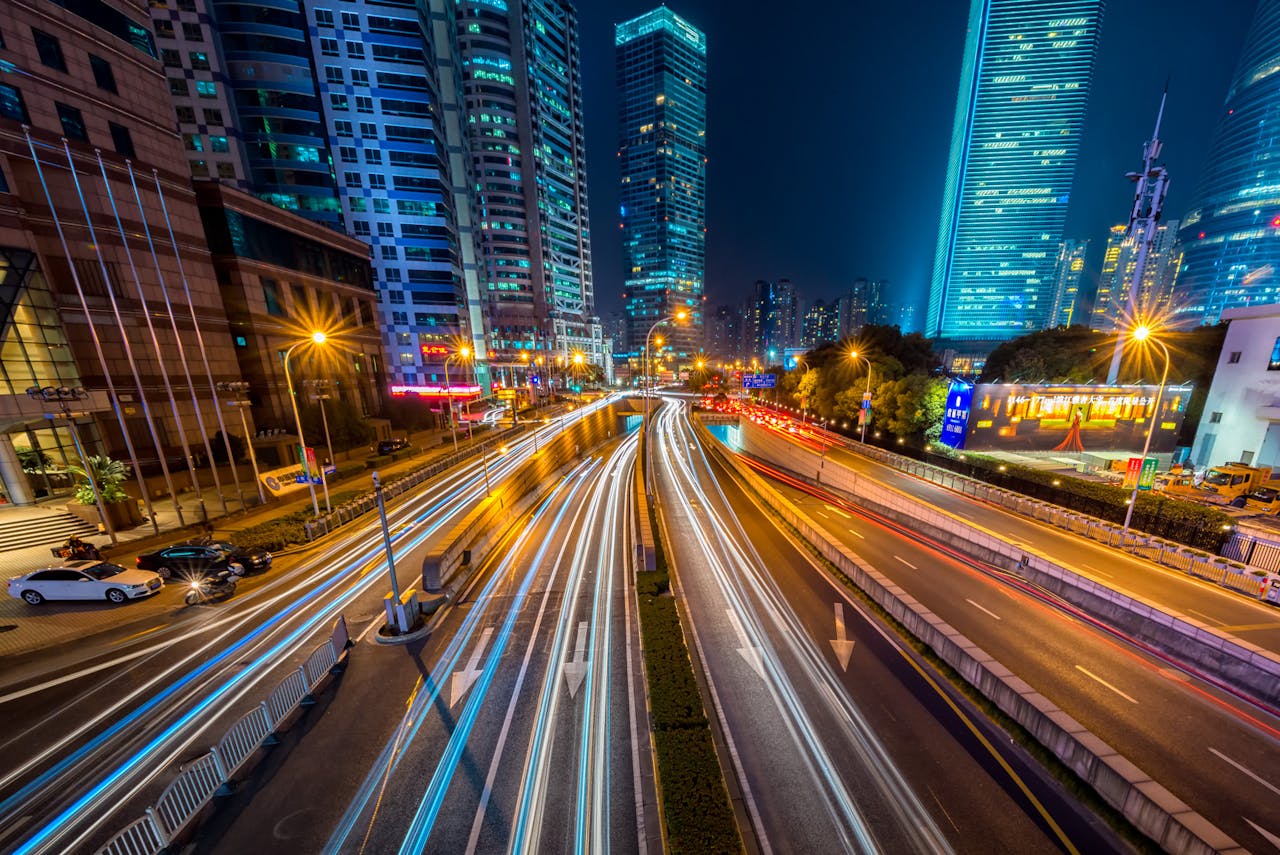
(695, 804)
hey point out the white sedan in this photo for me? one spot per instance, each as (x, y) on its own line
(85, 580)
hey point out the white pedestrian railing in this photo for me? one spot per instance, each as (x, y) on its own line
(200, 780)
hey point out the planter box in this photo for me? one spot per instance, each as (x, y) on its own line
(121, 515)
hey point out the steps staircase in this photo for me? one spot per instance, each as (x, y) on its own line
(51, 530)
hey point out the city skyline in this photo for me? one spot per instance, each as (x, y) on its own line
(909, 147)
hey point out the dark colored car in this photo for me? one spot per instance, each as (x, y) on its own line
(389, 445)
(202, 557)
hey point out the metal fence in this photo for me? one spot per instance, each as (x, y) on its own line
(363, 504)
(201, 779)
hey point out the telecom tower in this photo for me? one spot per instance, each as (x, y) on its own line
(1148, 200)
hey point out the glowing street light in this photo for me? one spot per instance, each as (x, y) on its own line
(316, 338)
(866, 396)
(1142, 334)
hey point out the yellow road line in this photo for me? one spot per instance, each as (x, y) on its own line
(1246, 627)
(140, 634)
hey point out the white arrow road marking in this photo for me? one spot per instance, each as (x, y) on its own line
(980, 608)
(466, 678)
(749, 652)
(841, 645)
(1267, 835)
(575, 670)
(1270, 786)
(1093, 676)
(906, 562)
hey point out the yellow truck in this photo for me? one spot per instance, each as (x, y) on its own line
(1232, 480)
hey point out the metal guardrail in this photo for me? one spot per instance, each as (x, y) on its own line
(199, 781)
(361, 505)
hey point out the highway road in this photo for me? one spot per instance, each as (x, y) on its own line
(1199, 599)
(95, 735)
(1209, 748)
(839, 739)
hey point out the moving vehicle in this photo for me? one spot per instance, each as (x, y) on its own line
(219, 584)
(201, 557)
(85, 580)
(76, 549)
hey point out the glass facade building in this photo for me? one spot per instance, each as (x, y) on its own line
(1066, 292)
(1119, 263)
(521, 75)
(662, 117)
(1231, 235)
(1024, 86)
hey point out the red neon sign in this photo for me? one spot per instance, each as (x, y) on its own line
(435, 350)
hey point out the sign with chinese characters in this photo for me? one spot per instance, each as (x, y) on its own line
(955, 419)
(759, 381)
(436, 391)
(435, 350)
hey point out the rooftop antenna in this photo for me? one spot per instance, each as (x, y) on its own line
(1152, 183)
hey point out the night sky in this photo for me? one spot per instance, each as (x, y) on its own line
(828, 131)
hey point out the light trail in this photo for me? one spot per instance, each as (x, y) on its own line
(739, 575)
(465, 487)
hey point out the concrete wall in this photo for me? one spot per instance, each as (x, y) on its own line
(1148, 805)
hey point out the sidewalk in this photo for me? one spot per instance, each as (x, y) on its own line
(24, 629)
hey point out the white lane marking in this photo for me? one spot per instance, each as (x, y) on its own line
(841, 645)
(906, 562)
(368, 629)
(1267, 835)
(1206, 617)
(821, 514)
(1096, 570)
(1270, 786)
(464, 679)
(980, 608)
(838, 511)
(858, 533)
(1093, 676)
(749, 652)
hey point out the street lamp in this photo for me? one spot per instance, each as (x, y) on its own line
(463, 353)
(318, 390)
(1140, 334)
(63, 396)
(866, 396)
(239, 388)
(648, 456)
(316, 338)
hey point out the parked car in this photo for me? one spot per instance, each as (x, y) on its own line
(85, 580)
(203, 557)
(394, 444)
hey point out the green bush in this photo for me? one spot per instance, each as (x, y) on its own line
(696, 806)
(273, 535)
(673, 693)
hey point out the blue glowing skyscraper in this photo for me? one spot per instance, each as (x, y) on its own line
(662, 119)
(1231, 235)
(1024, 86)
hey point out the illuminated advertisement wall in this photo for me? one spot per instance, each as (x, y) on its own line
(1072, 418)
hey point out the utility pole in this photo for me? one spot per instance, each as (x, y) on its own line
(1148, 200)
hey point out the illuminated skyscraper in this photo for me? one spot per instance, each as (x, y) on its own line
(1024, 85)
(662, 116)
(522, 79)
(1066, 291)
(1118, 265)
(1231, 235)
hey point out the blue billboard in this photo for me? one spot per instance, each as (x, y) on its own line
(759, 381)
(955, 420)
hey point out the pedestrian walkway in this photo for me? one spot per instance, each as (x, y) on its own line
(25, 628)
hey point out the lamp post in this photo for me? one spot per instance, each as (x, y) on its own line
(463, 353)
(317, 387)
(644, 422)
(866, 395)
(63, 396)
(241, 404)
(1140, 334)
(317, 338)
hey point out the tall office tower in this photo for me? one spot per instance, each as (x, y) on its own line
(521, 72)
(1024, 86)
(343, 115)
(723, 333)
(198, 87)
(1118, 265)
(662, 116)
(86, 304)
(1066, 289)
(784, 318)
(771, 320)
(1231, 236)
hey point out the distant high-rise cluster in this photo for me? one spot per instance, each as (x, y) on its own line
(662, 154)
(1119, 262)
(1230, 236)
(1067, 274)
(446, 136)
(1024, 86)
